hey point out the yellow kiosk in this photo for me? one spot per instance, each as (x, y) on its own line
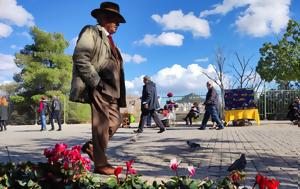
(240, 105)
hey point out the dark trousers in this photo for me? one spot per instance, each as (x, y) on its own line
(55, 115)
(106, 119)
(149, 120)
(213, 112)
(189, 117)
(165, 122)
(2, 125)
(153, 114)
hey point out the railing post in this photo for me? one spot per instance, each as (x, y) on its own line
(265, 102)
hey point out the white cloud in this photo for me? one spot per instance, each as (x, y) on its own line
(134, 87)
(204, 59)
(178, 79)
(15, 14)
(25, 34)
(5, 30)
(129, 84)
(73, 41)
(166, 38)
(225, 7)
(136, 58)
(7, 67)
(260, 17)
(176, 20)
(72, 44)
(13, 46)
(7, 62)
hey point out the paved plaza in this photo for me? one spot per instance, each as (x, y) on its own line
(271, 149)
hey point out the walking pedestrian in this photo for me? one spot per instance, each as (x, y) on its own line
(55, 113)
(98, 79)
(211, 103)
(3, 113)
(149, 105)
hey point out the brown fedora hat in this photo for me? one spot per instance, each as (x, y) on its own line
(108, 8)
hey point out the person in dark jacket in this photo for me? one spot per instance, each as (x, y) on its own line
(294, 111)
(55, 113)
(193, 113)
(3, 113)
(211, 103)
(149, 105)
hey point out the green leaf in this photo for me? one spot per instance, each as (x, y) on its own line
(16, 98)
(193, 185)
(136, 185)
(281, 62)
(96, 179)
(111, 182)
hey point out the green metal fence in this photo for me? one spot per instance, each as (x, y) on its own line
(273, 104)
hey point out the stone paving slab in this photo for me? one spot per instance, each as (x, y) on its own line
(271, 149)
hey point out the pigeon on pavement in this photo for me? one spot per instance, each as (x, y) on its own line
(192, 145)
(239, 164)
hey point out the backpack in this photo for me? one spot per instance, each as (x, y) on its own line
(46, 108)
(56, 105)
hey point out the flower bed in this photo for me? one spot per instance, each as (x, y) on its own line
(66, 168)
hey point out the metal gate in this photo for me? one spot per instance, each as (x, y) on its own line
(273, 104)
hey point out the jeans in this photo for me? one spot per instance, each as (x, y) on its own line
(43, 122)
(213, 112)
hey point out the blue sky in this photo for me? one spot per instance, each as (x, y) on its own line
(173, 41)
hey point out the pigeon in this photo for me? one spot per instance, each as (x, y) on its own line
(239, 164)
(134, 138)
(192, 145)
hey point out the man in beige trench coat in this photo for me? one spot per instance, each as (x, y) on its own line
(98, 79)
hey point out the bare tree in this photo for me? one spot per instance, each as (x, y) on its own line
(245, 75)
(219, 76)
(9, 88)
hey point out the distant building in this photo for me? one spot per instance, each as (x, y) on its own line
(133, 105)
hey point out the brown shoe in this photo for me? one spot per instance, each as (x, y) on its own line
(104, 170)
(88, 149)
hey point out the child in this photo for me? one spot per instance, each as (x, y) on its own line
(193, 113)
(164, 116)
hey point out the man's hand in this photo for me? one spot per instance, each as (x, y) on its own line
(99, 86)
(146, 106)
